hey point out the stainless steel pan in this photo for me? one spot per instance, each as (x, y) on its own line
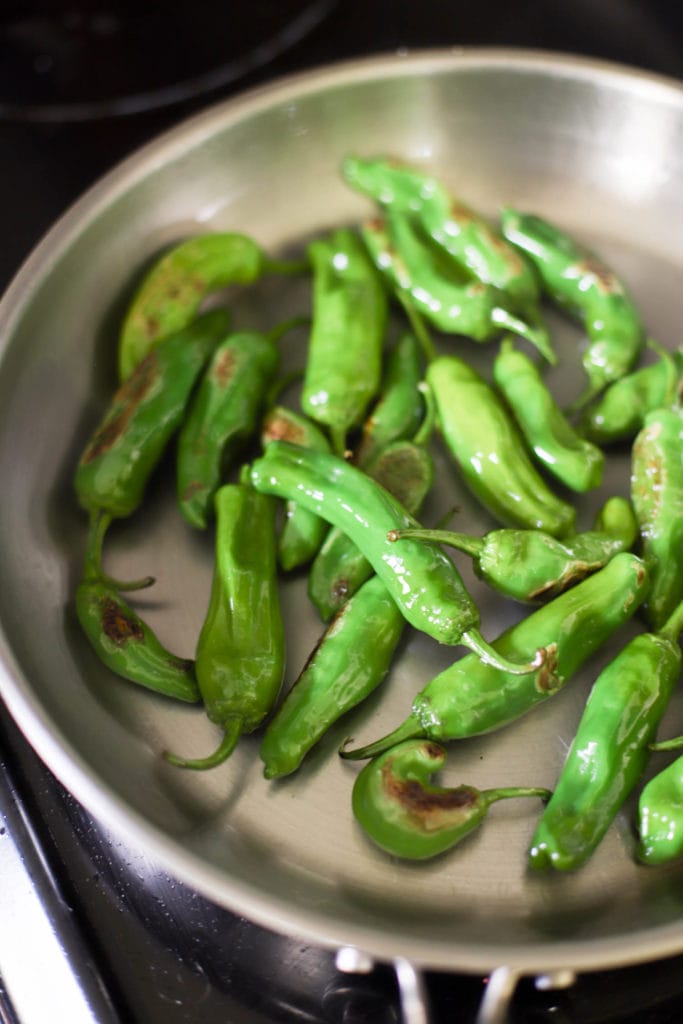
(596, 147)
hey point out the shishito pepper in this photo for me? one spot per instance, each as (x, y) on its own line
(406, 815)
(344, 361)
(240, 656)
(145, 412)
(471, 698)
(660, 811)
(657, 496)
(489, 451)
(420, 577)
(610, 749)
(570, 458)
(531, 566)
(172, 291)
(582, 284)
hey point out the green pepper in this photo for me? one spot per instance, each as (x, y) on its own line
(610, 749)
(660, 811)
(471, 698)
(570, 458)
(223, 415)
(620, 411)
(416, 274)
(145, 412)
(420, 577)
(240, 653)
(302, 532)
(463, 234)
(489, 452)
(344, 361)
(585, 287)
(407, 816)
(657, 495)
(349, 663)
(172, 291)
(532, 566)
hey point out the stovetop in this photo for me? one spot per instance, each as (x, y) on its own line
(82, 85)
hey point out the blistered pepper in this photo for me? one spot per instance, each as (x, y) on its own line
(420, 577)
(570, 458)
(471, 698)
(582, 284)
(406, 815)
(240, 654)
(610, 749)
(660, 811)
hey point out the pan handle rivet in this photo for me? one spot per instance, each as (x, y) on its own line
(555, 980)
(350, 960)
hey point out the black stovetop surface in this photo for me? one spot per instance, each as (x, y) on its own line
(69, 111)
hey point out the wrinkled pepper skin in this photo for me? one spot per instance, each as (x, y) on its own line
(349, 663)
(660, 816)
(240, 656)
(610, 749)
(143, 415)
(657, 496)
(620, 411)
(570, 458)
(344, 362)
(489, 451)
(578, 281)
(420, 577)
(127, 645)
(471, 698)
(222, 416)
(407, 816)
(172, 291)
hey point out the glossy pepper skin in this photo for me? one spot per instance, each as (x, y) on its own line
(489, 451)
(302, 532)
(172, 291)
(570, 458)
(145, 412)
(620, 411)
(660, 811)
(127, 645)
(407, 816)
(240, 654)
(578, 281)
(531, 566)
(344, 361)
(348, 664)
(406, 471)
(610, 749)
(420, 577)
(455, 306)
(223, 414)
(471, 698)
(466, 236)
(657, 496)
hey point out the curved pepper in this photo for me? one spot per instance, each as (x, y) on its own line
(610, 749)
(657, 496)
(570, 458)
(344, 361)
(471, 698)
(489, 452)
(531, 566)
(420, 577)
(145, 412)
(583, 285)
(660, 811)
(241, 648)
(172, 291)
(348, 664)
(407, 816)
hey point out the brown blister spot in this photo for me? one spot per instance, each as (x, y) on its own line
(194, 488)
(224, 368)
(117, 626)
(604, 277)
(461, 213)
(123, 407)
(340, 589)
(433, 809)
(546, 679)
(279, 428)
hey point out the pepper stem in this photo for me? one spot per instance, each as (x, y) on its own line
(472, 546)
(338, 439)
(408, 730)
(537, 336)
(419, 328)
(490, 796)
(232, 731)
(277, 332)
(285, 266)
(473, 639)
(100, 522)
(424, 433)
(673, 744)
